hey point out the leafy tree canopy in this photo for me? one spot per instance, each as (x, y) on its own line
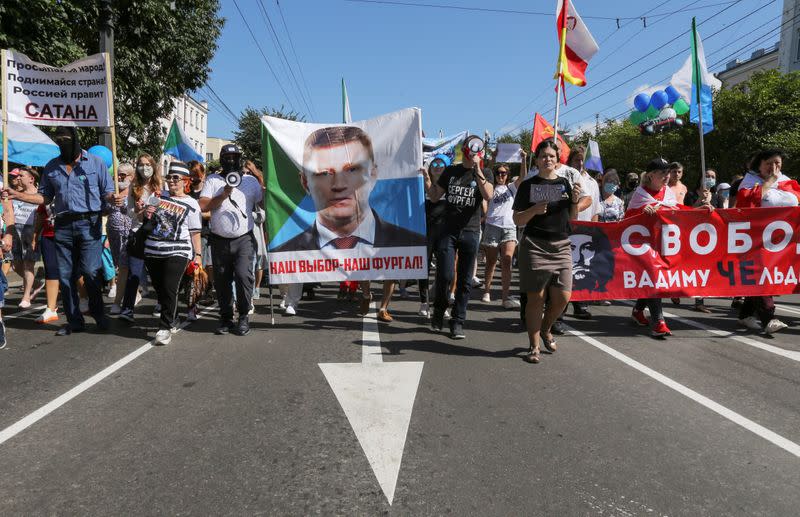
(248, 136)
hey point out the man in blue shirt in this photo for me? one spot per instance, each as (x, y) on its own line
(77, 183)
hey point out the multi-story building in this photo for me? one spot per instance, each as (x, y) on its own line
(739, 71)
(214, 144)
(192, 115)
(790, 36)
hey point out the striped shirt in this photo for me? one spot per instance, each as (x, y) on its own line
(176, 218)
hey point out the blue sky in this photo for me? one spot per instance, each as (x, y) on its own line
(474, 70)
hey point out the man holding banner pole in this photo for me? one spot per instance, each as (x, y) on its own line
(77, 183)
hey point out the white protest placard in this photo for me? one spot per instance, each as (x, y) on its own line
(508, 153)
(43, 95)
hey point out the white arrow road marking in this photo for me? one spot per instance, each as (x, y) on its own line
(377, 399)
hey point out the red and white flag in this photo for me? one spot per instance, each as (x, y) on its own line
(577, 46)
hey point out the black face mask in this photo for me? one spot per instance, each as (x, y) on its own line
(230, 163)
(68, 144)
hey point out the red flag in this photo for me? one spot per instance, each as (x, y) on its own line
(576, 44)
(542, 130)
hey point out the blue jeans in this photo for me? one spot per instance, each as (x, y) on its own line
(3, 287)
(79, 246)
(136, 277)
(465, 243)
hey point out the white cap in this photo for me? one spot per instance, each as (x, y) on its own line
(723, 186)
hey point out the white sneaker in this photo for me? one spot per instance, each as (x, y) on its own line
(115, 309)
(447, 312)
(174, 330)
(424, 310)
(256, 293)
(47, 316)
(289, 311)
(252, 310)
(83, 306)
(192, 315)
(112, 293)
(282, 304)
(751, 323)
(157, 311)
(163, 337)
(138, 298)
(774, 325)
(511, 303)
(451, 299)
(26, 304)
(476, 282)
(486, 298)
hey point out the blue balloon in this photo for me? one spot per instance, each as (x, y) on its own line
(659, 99)
(641, 102)
(104, 153)
(672, 95)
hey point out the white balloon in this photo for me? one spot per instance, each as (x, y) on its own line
(667, 113)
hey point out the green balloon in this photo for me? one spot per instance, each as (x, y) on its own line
(681, 107)
(637, 117)
(651, 113)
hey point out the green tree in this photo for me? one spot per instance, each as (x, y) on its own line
(161, 50)
(248, 135)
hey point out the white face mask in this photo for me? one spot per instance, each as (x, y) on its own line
(144, 171)
(124, 184)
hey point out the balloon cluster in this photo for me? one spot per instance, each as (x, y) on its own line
(659, 112)
(105, 154)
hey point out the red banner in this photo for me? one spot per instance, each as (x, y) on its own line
(684, 253)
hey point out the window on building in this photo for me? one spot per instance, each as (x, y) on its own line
(202, 122)
(209, 157)
(191, 117)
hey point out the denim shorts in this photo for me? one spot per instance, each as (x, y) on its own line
(493, 236)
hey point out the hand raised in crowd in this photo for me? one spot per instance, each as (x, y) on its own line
(576, 192)
(539, 208)
(118, 199)
(650, 209)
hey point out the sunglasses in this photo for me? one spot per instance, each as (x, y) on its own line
(502, 173)
(437, 165)
(175, 177)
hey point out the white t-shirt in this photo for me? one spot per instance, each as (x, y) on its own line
(592, 189)
(23, 212)
(233, 219)
(500, 212)
(176, 218)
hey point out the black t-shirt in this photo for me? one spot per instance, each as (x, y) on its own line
(554, 224)
(463, 209)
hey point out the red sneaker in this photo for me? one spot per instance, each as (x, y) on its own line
(640, 318)
(660, 330)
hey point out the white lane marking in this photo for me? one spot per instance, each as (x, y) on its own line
(371, 352)
(786, 308)
(378, 399)
(27, 421)
(731, 415)
(789, 354)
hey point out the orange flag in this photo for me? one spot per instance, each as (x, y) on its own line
(542, 130)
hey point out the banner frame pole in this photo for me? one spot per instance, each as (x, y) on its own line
(5, 118)
(113, 127)
(696, 63)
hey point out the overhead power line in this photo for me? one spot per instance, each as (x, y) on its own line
(297, 60)
(264, 56)
(517, 11)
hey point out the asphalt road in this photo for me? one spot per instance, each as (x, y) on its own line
(706, 422)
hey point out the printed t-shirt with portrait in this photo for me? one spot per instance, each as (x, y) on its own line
(175, 219)
(553, 225)
(501, 212)
(23, 212)
(234, 217)
(463, 209)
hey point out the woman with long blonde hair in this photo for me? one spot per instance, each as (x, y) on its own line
(146, 182)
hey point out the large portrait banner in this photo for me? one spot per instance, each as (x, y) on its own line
(345, 201)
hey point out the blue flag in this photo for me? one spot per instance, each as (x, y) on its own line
(178, 145)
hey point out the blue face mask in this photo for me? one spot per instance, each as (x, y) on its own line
(710, 182)
(610, 188)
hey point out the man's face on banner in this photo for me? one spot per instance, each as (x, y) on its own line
(339, 179)
(583, 251)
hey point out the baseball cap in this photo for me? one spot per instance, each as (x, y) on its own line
(15, 172)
